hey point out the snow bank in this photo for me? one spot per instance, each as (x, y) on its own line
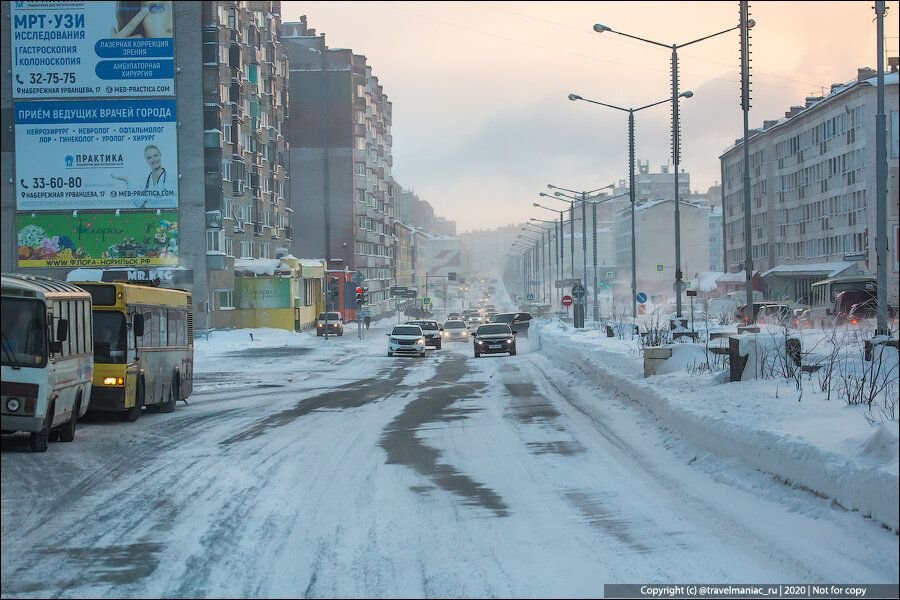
(737, 419)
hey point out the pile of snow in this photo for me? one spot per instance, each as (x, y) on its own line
(824, 446)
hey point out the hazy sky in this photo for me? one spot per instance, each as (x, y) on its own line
(481, 119)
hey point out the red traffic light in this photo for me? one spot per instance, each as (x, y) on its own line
(359, 290)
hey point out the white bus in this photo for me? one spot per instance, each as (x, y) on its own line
(824, 293)
(46, 343)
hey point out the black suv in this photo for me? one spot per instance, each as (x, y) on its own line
(431, 330)
(518, 321)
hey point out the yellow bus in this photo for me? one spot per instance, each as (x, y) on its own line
(143, 348)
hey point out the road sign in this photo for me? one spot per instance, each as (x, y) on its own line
(641, 297)
(398, 290)
(578, 291)
(529, 297)
(691, 293)
(358, 277)
(567, 301)
(660, 268)
(426, 301)
(411, 293)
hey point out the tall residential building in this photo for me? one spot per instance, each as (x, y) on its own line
(655, 244)
(813, 190)
(185, 164)
(340, 156)
(715, 240)
(245, 104)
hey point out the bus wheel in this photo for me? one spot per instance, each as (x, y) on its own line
(131, 415)
(169, 405)
(40, 439)
(67, 432)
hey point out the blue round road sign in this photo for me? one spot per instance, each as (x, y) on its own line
(641, 297)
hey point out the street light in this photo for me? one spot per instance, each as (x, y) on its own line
(556, 246)
(676, 134)
(631, 185)
(541, 254)
(583, 198)
(562, 253)
(545, 251)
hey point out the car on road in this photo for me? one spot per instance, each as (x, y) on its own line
(454, 316)
(474, 320)
(406, 340)
(494, 338)
(335, 324)
(518, 321)
(456, 330)
(775, 314)
(431, 330)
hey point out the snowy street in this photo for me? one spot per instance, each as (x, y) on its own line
(310, 468)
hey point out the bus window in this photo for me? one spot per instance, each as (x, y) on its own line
(22, 333)
(163, 329)
(109, 337)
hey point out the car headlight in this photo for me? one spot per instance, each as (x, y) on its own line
(393, 341)
(465, 333)
(12, 405)
(509, 339)
(421, 340)
(479, 342)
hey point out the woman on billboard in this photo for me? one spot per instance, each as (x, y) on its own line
(156, 180)
(143, 20)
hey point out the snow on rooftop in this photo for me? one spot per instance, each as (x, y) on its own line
(830, 269)
(739, 277)
(706, 281)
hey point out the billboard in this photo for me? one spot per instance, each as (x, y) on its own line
(96, 154)
(97, 239)
(262, 292)
(86, 49)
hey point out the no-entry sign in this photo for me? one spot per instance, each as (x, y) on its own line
(567, 301)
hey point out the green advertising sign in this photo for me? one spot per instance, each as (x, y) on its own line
(97, 239)
(262, 292)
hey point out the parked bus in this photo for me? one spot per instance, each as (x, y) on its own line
(824, 293)
(47, 358)
(143, 348)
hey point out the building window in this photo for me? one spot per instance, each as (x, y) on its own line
(226, 299)
(360, 143)
(229, 246)
(246, 249)
(215, 241)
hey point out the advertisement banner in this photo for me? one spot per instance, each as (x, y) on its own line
(262, 292)
(97, 239)
(103, 154)
(86, 49)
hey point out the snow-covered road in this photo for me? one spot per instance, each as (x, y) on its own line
(326, 469)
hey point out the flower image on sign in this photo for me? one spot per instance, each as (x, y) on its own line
(97, 239)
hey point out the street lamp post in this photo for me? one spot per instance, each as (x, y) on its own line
(631, 184)
(543, 254)
(556, 254)
(562, 257)
(676, 135)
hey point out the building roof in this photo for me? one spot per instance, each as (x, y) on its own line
(889, 79)
(739, 277)
(831, 269)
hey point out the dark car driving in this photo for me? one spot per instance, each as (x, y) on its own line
(494, 338)
(517, 321)
(431, 330)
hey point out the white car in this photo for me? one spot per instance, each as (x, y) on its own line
(455, 331)
(406, 339)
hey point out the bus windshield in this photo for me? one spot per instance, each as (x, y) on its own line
(109, 337)
(22, 333)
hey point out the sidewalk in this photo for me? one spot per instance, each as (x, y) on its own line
(825, 446)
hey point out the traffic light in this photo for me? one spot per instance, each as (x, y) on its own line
(359, 295)
(365, 295)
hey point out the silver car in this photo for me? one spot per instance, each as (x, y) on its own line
(456, 331)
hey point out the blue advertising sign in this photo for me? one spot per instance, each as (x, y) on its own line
(96, 154)
(88, 49)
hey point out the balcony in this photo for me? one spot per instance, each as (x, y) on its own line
(257, 229)
(289, 232)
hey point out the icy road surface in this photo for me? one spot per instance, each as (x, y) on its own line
(327, 469)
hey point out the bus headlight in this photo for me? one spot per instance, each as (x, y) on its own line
(12, 405)
(113, 381)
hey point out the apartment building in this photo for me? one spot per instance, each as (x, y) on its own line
(340, 159)
(245, 112)
(812, 186)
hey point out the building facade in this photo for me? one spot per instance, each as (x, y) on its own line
(245, 112)
(340, 159)
(813, 190)
(716, 257)
(212, 102)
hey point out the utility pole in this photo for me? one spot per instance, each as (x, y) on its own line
(881, 180)
(749, 316)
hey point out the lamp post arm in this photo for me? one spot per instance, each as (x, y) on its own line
(651, 105)
(708, 36)
(640, 39)
(606, 105)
